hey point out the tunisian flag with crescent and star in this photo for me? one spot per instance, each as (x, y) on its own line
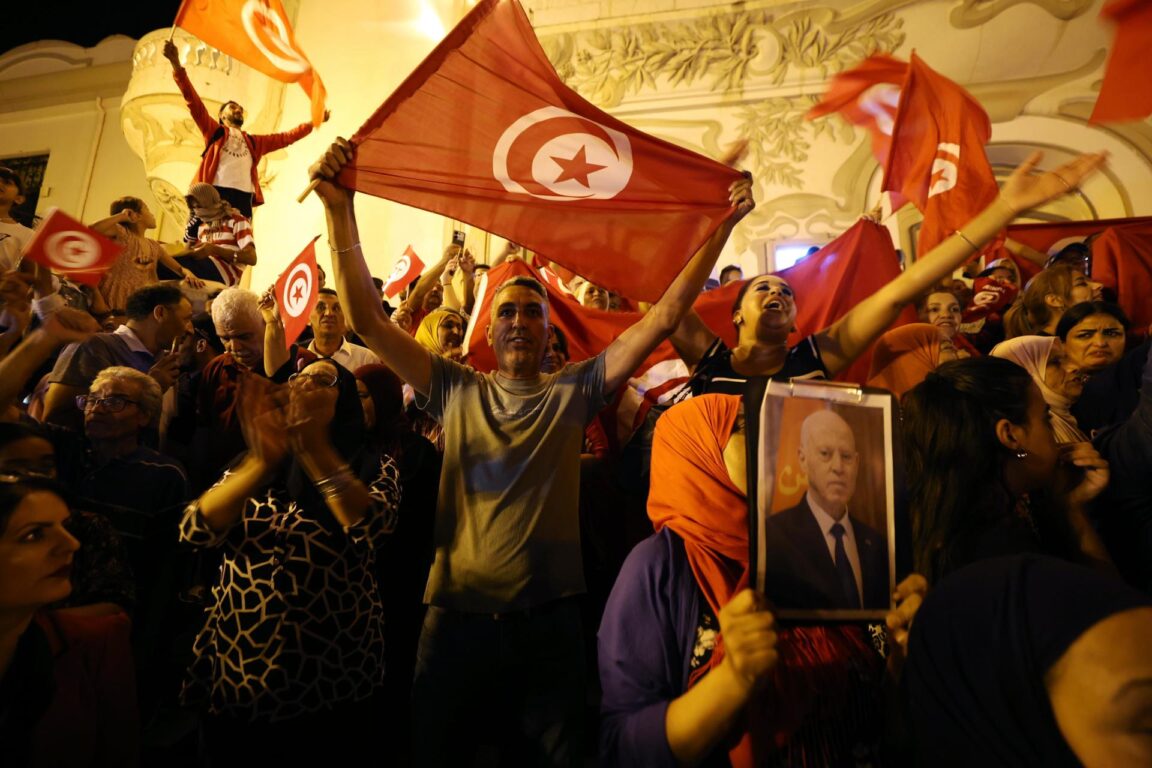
(257, 33)
(407, 268)
(71, 249)
(297, 291)
(484, 131)
(1126, 93)
(937, 159)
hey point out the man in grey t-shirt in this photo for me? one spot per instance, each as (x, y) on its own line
(502, 634)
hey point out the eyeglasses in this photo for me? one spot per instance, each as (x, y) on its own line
(320, 379)
(112, 403)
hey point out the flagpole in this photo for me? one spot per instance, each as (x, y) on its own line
(308, 190)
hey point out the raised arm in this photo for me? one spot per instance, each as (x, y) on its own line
(200, 114)
(631, 347)
(62, 327)
(429, 279)
(848, 337)
(275, 349)
(354, 285)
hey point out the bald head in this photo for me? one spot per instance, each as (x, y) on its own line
(828, 457)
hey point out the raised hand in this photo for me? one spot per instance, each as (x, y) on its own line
(311, 407)
(1088, 472)
(910, 593)
(740, 195)
(262, 408)
(269, 309)
(165, 370)
(1024, 190)
(325, 170)
(749, 632)
(172, 54)
(67, 325)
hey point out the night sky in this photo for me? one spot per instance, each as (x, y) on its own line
(86, 22)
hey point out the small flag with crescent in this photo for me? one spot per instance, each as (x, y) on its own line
(69, 248)
(297, 290)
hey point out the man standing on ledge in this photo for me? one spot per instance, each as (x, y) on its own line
(231, 156)
(818, 556)
(502, 633)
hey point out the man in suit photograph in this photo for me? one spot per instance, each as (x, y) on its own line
(818, 556)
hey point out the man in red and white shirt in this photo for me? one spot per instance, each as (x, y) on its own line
(224, 237)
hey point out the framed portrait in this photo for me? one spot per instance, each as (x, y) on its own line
(821, 497)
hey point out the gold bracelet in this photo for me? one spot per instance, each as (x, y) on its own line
(349, 249)
(964, 237)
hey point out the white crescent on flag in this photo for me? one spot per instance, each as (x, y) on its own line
(297, 291)
(572, 165)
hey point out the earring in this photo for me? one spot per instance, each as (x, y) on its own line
(1021, 454)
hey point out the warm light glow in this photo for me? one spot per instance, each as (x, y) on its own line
(784, 256)
(429, 23)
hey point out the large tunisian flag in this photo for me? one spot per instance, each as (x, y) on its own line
(484, 131)
(937, 159)
(257, 33)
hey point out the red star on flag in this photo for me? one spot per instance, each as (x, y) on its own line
(577, 167)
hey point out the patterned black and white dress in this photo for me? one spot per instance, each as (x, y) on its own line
(296, 624)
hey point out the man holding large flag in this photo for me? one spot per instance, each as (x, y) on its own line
(502, 631)
(231, 156)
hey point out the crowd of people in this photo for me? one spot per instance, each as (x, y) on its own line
(218, 548)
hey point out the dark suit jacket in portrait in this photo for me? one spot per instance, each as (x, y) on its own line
(800, 572)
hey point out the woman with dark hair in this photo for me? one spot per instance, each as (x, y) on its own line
(292, 647)
(765, 311)
(1093, 334)
(67, 689)
(693, 669)
(985, 474)
(1045, 299)
(903, 356)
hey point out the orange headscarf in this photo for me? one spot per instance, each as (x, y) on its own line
(903, 356)
(692, 494)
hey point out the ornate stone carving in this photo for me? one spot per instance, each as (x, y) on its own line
(973, 13)
(720, 51)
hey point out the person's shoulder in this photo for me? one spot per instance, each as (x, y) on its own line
(69, 631)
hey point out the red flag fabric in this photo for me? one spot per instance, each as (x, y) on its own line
(867, 96)
(257, 33)
(69, 248)
(484, 131)
(1122, 261)
(408, 267)
(297, 290)
(838, 277)
(1126, 93)
(827, 284)
(937, 159)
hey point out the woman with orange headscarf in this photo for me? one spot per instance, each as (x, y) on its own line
(690, 665)
(903, 356)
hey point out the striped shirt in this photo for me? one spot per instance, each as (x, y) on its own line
(232, 231)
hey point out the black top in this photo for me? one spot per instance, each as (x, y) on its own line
(978, 652)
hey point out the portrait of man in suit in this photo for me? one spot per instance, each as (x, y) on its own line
(818, 556)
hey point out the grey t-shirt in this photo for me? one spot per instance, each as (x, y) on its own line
(507, 531)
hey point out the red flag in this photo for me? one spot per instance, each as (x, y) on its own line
(1122, 261)
(485, 132)
(827, 284)
(1126, 93)
(937, 159)
(408, 267)
(297, 290)
(71, 249)
(867, 96)
(257, 33)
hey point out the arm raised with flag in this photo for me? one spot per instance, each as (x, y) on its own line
(766, 312)
(412, 362)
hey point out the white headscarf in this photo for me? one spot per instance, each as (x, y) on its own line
(1031, 353)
